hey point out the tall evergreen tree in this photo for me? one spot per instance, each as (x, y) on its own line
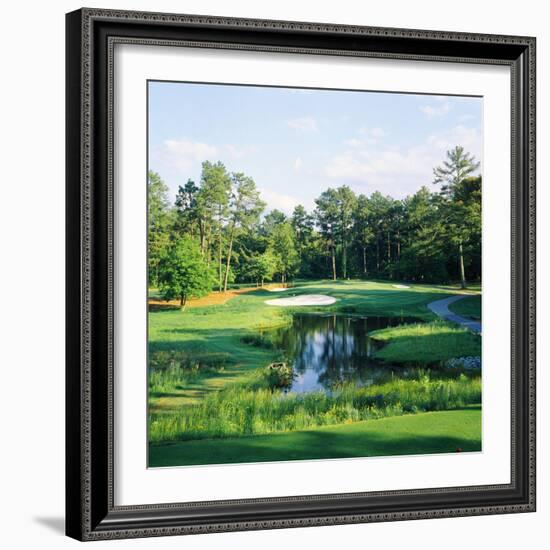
(244, 210)
(158, 221)
(212, 210)
(346, 202)
(327, 216)
(458, 166)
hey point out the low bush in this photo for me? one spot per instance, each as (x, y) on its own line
(279, 375)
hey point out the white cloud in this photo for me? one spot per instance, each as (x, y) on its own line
(279, 201)
(353, 142)
(469, 138)
(399, 171)
(432, 111)
(298, 164)
(305, 124)
(377, 132)
(184, 153)
(239, 152)
(369, 136)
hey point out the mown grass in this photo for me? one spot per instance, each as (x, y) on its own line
(375, 298)
(206, 333)
(220, 389)
(225, 328)
(468, 307)
(425, 343)
(241, 411)
(423, 433)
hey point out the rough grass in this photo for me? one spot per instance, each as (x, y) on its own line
(227, 329)
(221, 328)
(240, 411)
(468, 307)
(425, 343)
(424, 433)
(207, 332)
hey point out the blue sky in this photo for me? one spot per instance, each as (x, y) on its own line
(296, 143)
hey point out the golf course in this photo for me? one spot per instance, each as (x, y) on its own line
(341, 324)
(235, 377)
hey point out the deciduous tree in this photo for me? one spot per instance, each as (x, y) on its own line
(183, 273)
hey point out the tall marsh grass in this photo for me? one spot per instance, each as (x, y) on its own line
(239, 411)
(169, 371)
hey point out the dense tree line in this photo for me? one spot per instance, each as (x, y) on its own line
(217, 233)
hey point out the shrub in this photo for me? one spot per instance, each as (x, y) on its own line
(280, 375)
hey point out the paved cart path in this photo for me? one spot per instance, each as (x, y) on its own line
(441, 308)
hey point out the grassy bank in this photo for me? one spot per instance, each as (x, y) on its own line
(425, 343)
(468, 307)
(424, 433)
(241, 411)
(207, 381)
(201, 332)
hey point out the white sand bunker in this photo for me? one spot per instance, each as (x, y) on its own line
(304, 300)
(277, 289)
(400, 286)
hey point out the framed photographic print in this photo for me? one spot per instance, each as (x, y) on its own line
(300, 274)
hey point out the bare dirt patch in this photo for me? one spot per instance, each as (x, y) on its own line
(213, 299)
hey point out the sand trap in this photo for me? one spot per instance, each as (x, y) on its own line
(400, 286)
(304, 300)
(277, 289)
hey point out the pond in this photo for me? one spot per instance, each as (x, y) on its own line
(325, 350)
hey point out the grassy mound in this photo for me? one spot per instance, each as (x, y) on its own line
(425, 343)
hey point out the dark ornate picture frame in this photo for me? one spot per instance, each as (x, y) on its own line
(90, 510)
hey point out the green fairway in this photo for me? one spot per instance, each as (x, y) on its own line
(210, 331)
(427, 343)
(424, 433)
(207, 382)
(468, 307)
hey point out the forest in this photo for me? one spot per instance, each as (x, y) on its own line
(218, 232)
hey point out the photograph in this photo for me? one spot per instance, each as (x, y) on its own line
(314, 273)
(300, 270)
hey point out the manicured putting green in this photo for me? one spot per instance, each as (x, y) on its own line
(424, 433)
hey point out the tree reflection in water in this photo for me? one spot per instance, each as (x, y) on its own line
(326, 350)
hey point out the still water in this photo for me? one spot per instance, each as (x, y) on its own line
(329, 349)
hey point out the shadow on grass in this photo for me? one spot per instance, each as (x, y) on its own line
(163, 307)
(364, 439)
